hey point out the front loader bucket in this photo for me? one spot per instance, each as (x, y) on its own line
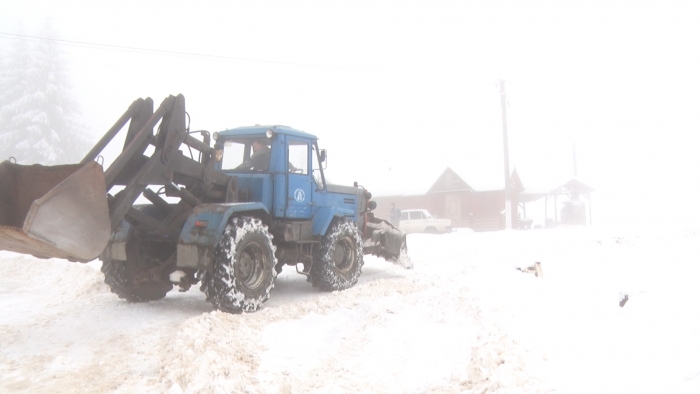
(57, 211)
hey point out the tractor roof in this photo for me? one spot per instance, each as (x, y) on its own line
(261, 130)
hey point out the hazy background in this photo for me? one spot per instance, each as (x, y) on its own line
(411, 87)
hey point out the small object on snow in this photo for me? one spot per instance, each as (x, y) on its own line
(176, 276)
(623, 299)
(533, 269)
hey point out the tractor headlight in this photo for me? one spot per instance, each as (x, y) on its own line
(269, 133)
(215, 136)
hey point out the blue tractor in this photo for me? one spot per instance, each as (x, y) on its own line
(229, 216)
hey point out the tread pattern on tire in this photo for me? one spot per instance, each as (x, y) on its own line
(324, 272)
(119, 277)
(221, 286)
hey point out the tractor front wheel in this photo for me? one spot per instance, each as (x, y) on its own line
(338, 261)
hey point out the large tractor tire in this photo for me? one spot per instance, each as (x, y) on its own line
(244, 267)
(338, 261)
(127, 279)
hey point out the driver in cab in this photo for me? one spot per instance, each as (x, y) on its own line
(260, 159)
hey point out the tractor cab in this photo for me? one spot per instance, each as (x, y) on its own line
(276, 165)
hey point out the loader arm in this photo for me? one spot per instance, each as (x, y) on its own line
(63, 212)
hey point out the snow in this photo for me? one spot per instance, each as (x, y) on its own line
(464, 320)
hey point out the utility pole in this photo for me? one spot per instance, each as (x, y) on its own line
(502, 88)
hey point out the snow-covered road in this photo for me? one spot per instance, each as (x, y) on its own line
(464, 320)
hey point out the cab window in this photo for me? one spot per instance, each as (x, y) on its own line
(233, 155)
(298, 157)
(246, 154)
(316, 168)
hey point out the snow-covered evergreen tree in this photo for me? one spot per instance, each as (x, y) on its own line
(42, 119)
(3, 90)
(14, 84)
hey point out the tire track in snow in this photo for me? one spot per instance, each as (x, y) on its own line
(218, 351)
(62, 328)
(422, 332)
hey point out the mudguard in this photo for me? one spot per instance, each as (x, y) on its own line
(203, 228)
(116, 248)
(323, 217)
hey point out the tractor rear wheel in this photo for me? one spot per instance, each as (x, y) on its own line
(338, 261)
(131, 279)
(244, 267)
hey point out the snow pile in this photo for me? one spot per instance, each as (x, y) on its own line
(60, 278)
(499, 365)
(211, 353)
(219, 352)
(414, 331)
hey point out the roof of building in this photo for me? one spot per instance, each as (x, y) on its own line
(419, 181)
(410, 181)
(402, 181)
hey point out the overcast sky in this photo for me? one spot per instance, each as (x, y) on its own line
(412, 86)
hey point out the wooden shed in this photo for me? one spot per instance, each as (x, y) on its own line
(480, 203)
(451, 197)
(561, 196)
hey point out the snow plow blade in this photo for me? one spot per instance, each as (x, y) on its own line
(54, 212)
(387, 241)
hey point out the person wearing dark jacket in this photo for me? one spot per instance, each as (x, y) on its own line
(260, 159)
(395, 215)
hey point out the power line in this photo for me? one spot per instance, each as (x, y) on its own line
(91, 45)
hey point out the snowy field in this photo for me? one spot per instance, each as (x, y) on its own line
(464, 320)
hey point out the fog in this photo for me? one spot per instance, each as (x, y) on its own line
(412, 87)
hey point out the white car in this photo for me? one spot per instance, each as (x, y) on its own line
(421, 221)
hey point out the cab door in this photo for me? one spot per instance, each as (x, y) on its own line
(299, 186)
